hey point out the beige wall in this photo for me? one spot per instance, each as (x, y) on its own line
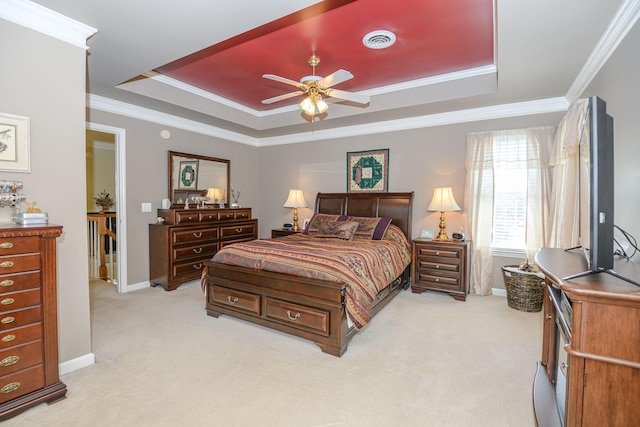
(53, 97)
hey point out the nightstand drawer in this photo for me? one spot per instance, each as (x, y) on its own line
(438, 252)
(437, 264)
(236, 299)
(437, 280)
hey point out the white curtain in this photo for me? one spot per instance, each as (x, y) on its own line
(484, 151)
(563, 224)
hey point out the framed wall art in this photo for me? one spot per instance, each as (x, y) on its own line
(14, 143)
(188, 178)
(368, 171)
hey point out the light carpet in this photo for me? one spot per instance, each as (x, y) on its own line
(424, 360)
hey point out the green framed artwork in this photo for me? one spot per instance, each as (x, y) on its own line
(368, 171)
(188, 178)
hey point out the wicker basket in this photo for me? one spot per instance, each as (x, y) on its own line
(525, 290)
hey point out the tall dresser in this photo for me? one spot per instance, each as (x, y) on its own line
(186, 238)
(28, 318)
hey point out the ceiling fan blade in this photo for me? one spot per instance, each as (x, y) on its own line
(282, 80)
(348, 96)
(282, 97)
(336, 78)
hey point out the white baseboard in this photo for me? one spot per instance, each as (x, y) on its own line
(137, 286)
(499, 292)
(77, 363)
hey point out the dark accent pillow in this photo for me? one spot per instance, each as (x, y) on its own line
(370, 228)
(318, 218)
(337, 230)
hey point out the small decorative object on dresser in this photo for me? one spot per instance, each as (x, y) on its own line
(179, 245)
(28, 318)
(440, 265)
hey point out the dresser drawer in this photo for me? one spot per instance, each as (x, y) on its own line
(226, 215)
(298, 315)
(20, 335)
(18, 282)
(192, 235)
(17, 263)
(199, 252)
(208, 216)
(238, 231)
(185, 217)
(21, 299)
(20, 357)
(237, 299)
(21, 383)
(19, 245)
(13, 319)
(242, 213)
(192, 269)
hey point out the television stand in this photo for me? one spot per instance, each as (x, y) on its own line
(590, 272)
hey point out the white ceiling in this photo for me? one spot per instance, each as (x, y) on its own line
(542, 47)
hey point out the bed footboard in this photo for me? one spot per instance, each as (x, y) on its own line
(307, 308)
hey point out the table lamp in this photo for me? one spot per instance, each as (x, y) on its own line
(443, 201)
(295, 201)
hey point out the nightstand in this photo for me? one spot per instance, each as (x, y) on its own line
(441, 265)
(280, 232)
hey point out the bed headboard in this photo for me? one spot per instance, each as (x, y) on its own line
(397, 206)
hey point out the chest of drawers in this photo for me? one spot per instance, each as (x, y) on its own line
(28, 318)
(188, 237)
(440, 266)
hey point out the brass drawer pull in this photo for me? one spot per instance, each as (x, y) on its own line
(8, 319)
(6, 283)
(238, 230)
(296, 317)
(232, 300)
(10, 387)
(9, 360)
(197, 266)
(437, 279)
(8, 338)
(7, 301)
(6, 264)
(6, 245)
(437, 265)
(437, 252)
(197, 251)
(197, 235)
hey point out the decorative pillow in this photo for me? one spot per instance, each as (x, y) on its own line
(319, 218)
(337, 230)
(370, 228)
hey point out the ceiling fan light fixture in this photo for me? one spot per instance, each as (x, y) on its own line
(322, 106)
(308, 106)
(379, 39)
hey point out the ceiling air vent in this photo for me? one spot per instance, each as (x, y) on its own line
(379, 39)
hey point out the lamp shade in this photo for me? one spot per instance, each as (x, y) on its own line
(214, 194)
(443, 200)
(295, 200)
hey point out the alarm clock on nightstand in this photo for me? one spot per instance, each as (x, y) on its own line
(459, 237)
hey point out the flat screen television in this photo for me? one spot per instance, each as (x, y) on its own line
(595, 190)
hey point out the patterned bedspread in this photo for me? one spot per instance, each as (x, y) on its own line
(366, 266)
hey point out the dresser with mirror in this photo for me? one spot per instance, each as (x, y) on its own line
(198, 221)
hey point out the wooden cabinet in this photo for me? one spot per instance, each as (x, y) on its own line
(28, 318)
(179, 246)
(280, 232)
(589, 374)
(441, 266)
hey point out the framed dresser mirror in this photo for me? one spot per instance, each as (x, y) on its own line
(192, 175)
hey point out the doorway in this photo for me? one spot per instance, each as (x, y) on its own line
(108, 143)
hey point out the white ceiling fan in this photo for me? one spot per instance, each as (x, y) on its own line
(315, 87)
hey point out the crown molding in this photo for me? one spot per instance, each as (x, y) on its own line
(46, 21)
(471, 115)
(625, 18)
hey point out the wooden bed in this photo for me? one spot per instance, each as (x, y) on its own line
(267, 298)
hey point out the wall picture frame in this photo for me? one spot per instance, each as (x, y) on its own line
(188, 178)
(14, 143)
(368, 171)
